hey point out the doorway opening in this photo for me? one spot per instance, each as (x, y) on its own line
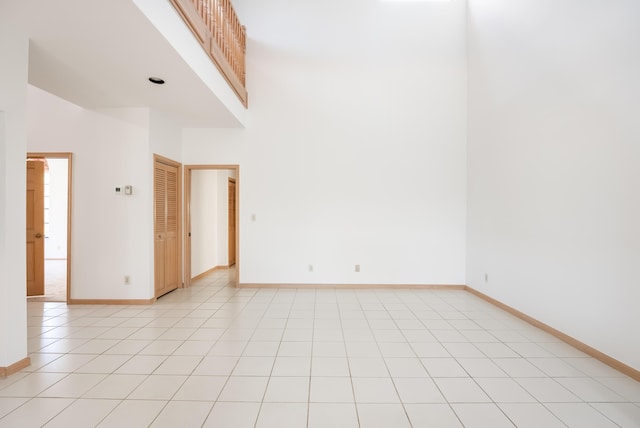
(49, 221)
(211, 220)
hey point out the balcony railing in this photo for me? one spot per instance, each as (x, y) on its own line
(217, 28)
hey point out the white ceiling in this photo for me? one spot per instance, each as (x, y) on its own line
(100, 54)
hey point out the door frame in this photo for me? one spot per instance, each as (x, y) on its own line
(69, 157)
(235, 223)
(187, 216)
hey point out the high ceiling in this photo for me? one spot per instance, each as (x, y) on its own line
(100, 54)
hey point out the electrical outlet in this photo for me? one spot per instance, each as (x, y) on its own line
(357, 268)
(127, 280)
(486, 277)
(310, 268)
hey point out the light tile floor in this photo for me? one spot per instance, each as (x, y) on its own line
(216, 356)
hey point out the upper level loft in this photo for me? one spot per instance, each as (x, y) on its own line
(99, 55)
(218, 29)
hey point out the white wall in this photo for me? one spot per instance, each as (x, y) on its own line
(56, 243)
(204, 221)
(13, 139)
(165, 135)
(223, 215)
(553, 201)
(111, 233)
(355, 151)
(209, 219)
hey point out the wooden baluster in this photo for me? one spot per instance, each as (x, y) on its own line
(219, 23)
(243, 45)
(221, 28)
(214, 26)
(205, 13)
(234, 53)
(210, 16)
(225, 35)
(238, 52)
(229, 31)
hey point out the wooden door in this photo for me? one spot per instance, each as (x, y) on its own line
(166, 224)
(232, 222)
(35, 228)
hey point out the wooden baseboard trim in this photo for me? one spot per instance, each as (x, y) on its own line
(126, 302)
(207, 272)
(606, 359)
(15, 367)
(357, 286)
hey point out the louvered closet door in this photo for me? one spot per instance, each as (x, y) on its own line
(166, 228)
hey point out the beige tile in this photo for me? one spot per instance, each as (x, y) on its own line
(201, 388)
(178, 365)
(295, 349)
(83, 413)
(443, 367)
(334, 415)
(329, 366)
(271, 415)
(547, 390)
(9, 404)
(133, 413)
(182, 414)
(104, 364)
(74, 385)
(418, 390)
(35, 412)
(244, 389)
(382, 416)
(368, 367)
(254, 366)
(406, 367)
(229, 414)
(375, 390)
(194, 348)
(158, 387)
(504, 390)
(216, 366)
(436, 415)
(115, 386)
(128, 347)
(331, 390)
(474, 415)
(530, 415)
(261, 349)
(292, 366)
(31, 385)
(461, 390)
(590, 390)
(580, 415)
(161, 347)
(287, 390)
(624, 414)
(141, 364)
(67, 363)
